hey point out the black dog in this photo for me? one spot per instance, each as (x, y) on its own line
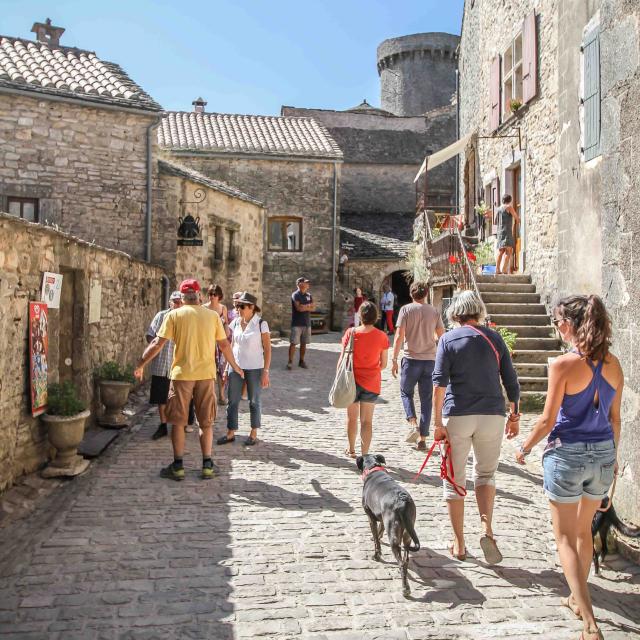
(389, 507)
(602, 522)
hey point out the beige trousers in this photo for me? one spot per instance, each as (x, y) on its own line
(484, 434)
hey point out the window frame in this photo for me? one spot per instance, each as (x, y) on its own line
(22, 201)
(510, 75)
(285, 220)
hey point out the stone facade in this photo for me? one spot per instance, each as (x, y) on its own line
(86, 166)
(417, 72)
(303, 189)
(131, 295)
(232, 232)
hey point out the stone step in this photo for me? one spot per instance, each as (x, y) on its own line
(533, 384)
(507, 297)
(507, 287)
(535, 344)
(531, 370)
(519, 320)
(531, 356)
(517, 309)
(514, 279)
(532, 401)
(531, 331)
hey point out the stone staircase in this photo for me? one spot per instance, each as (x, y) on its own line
(512, 302)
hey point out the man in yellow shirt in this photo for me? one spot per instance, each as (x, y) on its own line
(195, 331)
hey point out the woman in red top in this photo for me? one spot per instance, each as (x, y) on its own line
(370, 350)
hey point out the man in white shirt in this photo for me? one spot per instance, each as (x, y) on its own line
(387, 302)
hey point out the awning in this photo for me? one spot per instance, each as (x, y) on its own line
(443, 155)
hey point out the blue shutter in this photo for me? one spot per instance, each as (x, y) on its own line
(591, 100)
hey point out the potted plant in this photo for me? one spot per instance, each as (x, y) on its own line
(115, 383)
(485, 256)
(514, 105)
(65, 418)
(483, 209)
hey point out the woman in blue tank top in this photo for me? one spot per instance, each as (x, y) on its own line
(581, 418)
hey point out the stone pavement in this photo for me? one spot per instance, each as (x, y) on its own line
(278, 546)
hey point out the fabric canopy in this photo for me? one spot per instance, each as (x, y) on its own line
(443, 155)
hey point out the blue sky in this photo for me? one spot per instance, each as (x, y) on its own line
(242, 56)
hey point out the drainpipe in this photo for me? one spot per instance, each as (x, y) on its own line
(334, 238)
(457, 189)
(148, 212)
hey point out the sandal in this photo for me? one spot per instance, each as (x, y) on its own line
(571, 604)
(592, 635)
(460, 556)
(350, 453)
(225, 440)
(490, 549)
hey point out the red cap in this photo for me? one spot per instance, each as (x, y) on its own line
(189, 284)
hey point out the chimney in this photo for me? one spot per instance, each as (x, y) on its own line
(47, 33)
(199, 104)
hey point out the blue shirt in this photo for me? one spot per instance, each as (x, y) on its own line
(466, 365)
(300, 318)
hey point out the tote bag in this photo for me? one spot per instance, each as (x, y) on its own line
(343, 391)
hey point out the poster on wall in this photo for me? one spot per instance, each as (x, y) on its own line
(38, 352)
(51, 289)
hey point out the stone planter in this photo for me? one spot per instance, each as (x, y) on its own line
(65, 434)
(114, 396)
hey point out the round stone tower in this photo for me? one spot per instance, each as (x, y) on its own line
(417, 72)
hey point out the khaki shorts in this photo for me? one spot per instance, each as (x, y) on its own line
(300, 335)
(204, 399)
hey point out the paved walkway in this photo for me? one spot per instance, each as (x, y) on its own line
(279, 546)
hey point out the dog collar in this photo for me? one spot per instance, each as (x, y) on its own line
(366, 472)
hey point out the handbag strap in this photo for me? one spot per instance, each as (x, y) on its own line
(493, 347)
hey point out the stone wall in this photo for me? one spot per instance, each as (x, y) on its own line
(86, 165)
(131, 295)
(238, 227)
(538, 123)
(382, 155)
(303, 189)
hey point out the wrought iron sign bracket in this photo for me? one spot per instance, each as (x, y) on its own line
(518, 136)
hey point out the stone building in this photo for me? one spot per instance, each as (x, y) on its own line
(94, 323)
(292, 165)
(550, 110)
(382, 149)
(77, 141)
(231, 227)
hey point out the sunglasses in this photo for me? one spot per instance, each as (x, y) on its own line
(242, 306)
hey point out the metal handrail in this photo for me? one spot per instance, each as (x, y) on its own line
(468, 262)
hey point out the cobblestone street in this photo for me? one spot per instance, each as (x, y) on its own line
(279, 546)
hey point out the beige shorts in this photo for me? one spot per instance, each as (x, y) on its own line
(204, 398)
(484, 434)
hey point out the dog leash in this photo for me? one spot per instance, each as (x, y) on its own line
(446, 467)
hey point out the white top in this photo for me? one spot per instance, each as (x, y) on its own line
(247, 344)
(386, 301)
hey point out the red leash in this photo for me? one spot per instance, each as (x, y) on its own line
(446, 466)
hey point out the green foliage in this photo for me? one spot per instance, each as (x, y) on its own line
(436, 232)
(113, 372)
(482, 208)
(63, 400)
(514, 105)
(509, 338)
(485, 254)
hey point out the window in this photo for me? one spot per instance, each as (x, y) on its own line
(285, 234)
(512, 76)
(218, 250)
(232, 246)
(591, 93)
(25, 208)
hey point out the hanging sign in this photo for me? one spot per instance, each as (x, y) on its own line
(38, 352)
(51, 289)
(189, 232)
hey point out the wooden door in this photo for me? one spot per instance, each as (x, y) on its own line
(516, 190)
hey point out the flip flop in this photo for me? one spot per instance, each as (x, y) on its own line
(225, 440)
(351, 454)
(572, 606)
(490, 549)
(461, 556)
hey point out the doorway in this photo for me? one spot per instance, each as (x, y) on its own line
(514, 188)
(400, 287)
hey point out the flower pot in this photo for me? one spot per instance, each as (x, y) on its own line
(65, 434)
(114, 396)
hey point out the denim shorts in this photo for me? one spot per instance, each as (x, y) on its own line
(362, 395)
(578, 469)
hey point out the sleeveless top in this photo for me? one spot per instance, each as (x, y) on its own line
(580, 419)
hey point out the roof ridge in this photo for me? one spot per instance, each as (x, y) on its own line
(48, 46)
(241, 115)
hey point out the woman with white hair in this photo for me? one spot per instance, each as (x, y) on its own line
(472, 364)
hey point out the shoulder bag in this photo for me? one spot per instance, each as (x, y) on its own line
(343, 390)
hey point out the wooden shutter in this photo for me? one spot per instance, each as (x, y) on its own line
(494, 94)
(529, 58)
(495, 202)
(591, 100)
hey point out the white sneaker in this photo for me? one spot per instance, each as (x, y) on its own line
(412, 436)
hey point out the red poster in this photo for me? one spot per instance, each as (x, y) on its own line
(38, 352)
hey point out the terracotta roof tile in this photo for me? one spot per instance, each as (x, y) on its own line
(70, 72)
(227, 133)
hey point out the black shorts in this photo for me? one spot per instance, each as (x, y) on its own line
(159, 390)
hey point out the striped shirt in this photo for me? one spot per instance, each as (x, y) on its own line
(161, 364)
